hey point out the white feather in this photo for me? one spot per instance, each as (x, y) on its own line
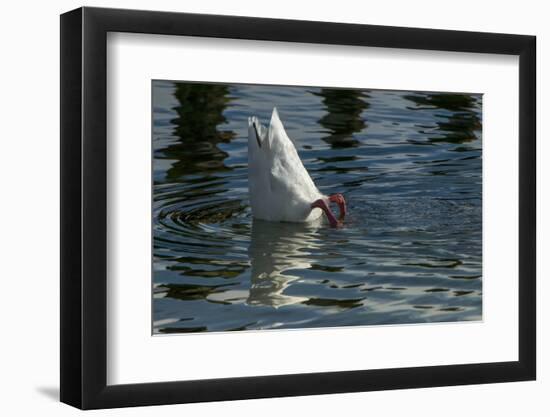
(280, 187)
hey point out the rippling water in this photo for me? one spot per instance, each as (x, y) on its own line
(408, 163)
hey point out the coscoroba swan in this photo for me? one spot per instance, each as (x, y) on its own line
(280, 187)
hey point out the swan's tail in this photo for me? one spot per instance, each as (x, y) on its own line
(256, 131)
(267, 138)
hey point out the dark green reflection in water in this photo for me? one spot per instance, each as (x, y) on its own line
(344, 117)
(460, 124)
(200, 115)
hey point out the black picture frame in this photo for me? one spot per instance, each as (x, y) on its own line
(84, 207)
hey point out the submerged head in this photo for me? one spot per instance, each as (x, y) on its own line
(323, 204)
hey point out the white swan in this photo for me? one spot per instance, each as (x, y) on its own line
(279, 186)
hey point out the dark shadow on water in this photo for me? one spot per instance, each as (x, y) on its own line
(344, 118)
(461, 121)
(188, 292)
(49, 392)
(200, 115)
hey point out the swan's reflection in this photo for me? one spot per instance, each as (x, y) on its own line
(276, 249)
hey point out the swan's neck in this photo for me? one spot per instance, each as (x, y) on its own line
(321, 203)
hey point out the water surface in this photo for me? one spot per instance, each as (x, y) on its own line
(408, 164)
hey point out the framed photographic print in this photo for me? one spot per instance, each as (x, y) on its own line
(256, 208)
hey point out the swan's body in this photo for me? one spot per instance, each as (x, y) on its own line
(280, 187)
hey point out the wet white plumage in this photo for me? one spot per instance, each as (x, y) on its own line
(280, 187)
